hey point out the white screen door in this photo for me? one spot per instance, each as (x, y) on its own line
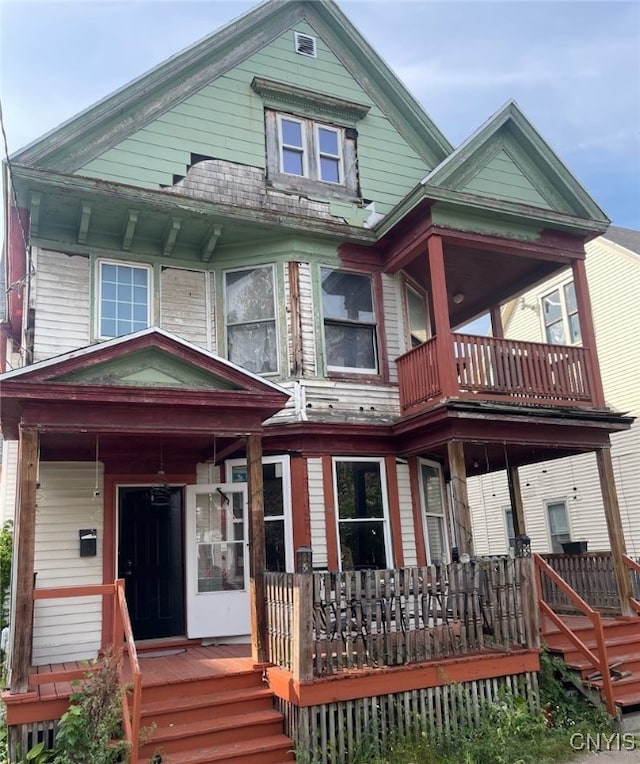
(217, 561)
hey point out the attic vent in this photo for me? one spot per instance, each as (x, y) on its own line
(305, 44)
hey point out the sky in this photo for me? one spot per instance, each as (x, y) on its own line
(573, 67)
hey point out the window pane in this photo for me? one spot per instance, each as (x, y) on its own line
(292, 162)
(347, 295)
(350, 347)
(108, 327)
(555, 333)
(511, 532)
(417, 311)
(328, 141)
(558, 518)
(291, 133)
(273, 493)
(121, 300)
(435, 533)
(249, 295)
(570, 298)
(574, 328)
(432, 488)
(274, 545)
(253, 346)
(330, 170)
(551, 307)
(362, 545)
(359, 490)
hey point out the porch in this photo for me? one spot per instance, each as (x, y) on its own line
(494, 369)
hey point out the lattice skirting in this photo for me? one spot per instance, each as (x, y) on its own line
(326, 734)
(23, 737)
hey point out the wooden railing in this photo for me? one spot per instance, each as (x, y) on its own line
(326, 623)
(634, 567)
(598, 660)
(589, 574)
(497, 369)
(123, 643)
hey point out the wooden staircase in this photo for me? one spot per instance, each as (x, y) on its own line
(622, 638)
(228, 718)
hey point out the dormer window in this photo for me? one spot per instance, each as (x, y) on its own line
(309, 149)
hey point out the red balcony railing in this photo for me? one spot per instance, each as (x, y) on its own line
(492, 368)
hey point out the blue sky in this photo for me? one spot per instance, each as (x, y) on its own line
(573, 67)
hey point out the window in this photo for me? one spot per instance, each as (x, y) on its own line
(560, 316)
(250, 319)
(362, 514)
(417, 318)
(124, 298)
(511, 531)
(277, 508)
(349, 321)
(328, 144)
(558, 524)
(432, 498)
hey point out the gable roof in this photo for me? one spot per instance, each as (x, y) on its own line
(624, 237)
(507, 160)
(103, 125)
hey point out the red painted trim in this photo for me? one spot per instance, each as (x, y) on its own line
(330, 512)
(587, 330)
(394, 511)
(365, 683)
(408, 245)
(300, 514)
(418, 526)
(444, 343)
(29, 710)
(358, 256)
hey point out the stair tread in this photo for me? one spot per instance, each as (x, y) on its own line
(568, 646)
(186, 729)
(628, 698)
(230, 751)
(209, 699)
(623, 661)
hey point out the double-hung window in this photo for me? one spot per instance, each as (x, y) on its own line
(349, 321)
(560, 316)
(293, 146)
(124, 298)
(251, 319)
(433, 507)
(362, 514)
(558, 524)
(309, 149)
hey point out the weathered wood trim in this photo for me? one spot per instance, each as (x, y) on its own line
(378, 298)
(257, 557)
(295, 319)
(515, 497)
(614, 528)
(302, 626)
(460, 497)
(394, 511)
(497, 328)
(587, 330)
(25, 551)
(300, 512)
(330, 512)
(442, 324)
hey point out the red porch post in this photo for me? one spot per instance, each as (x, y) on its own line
(497, 329)
(460, 496)
(25, 551)
(256, 550)
(583, 302)
(444, 341)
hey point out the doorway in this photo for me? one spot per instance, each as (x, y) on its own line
(150, 559)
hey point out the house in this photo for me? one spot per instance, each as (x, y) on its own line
(234, 381)
(561, 499)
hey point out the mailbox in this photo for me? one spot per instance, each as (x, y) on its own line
(88, 542)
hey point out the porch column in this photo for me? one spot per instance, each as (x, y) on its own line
(444, 341)
(22, 627)
(497, 328)
(256, 549)
(614, 527)
(461, 510)
(587, 331)
(515, 497)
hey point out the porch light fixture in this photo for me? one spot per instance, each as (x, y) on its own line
(458, 297)
(522, 546)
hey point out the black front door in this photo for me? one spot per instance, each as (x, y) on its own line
(150, 559)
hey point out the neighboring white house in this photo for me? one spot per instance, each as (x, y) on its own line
(562, 498)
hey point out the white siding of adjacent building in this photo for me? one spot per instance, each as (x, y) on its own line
(316, 513)
(67, 629)
(62, 317)
(8, 480)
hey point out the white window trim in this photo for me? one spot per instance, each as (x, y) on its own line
(98, 280)
(424, 513)
(276, 372)
(560, 288)
(385, 503)
(303, 150)
(317, 126)
(560, 500)
(285, 461)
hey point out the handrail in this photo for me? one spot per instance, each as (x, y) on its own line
(122, 637)
(601, 661)
(632, 565)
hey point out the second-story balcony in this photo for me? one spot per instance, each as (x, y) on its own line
(494, 369)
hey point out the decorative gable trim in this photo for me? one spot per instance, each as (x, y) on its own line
(281, 95)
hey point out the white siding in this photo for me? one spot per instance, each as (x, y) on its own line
(183, 305)
(8, 480)
(70, 629)
(62, 316)
(307, 319)
(349, 401)
(316, 513)
(393, 322)
(407, 527)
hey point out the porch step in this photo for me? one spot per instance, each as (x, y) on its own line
(223, 718)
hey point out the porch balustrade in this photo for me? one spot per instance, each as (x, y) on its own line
(325, 623)
(491, 368)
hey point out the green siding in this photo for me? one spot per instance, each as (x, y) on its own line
(225, 120)
(501, 178)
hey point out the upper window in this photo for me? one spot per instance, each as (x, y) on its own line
(560, 316)
(362, 514)
(558, 524)
(251, 319)
(349, 321)
(124, 298)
